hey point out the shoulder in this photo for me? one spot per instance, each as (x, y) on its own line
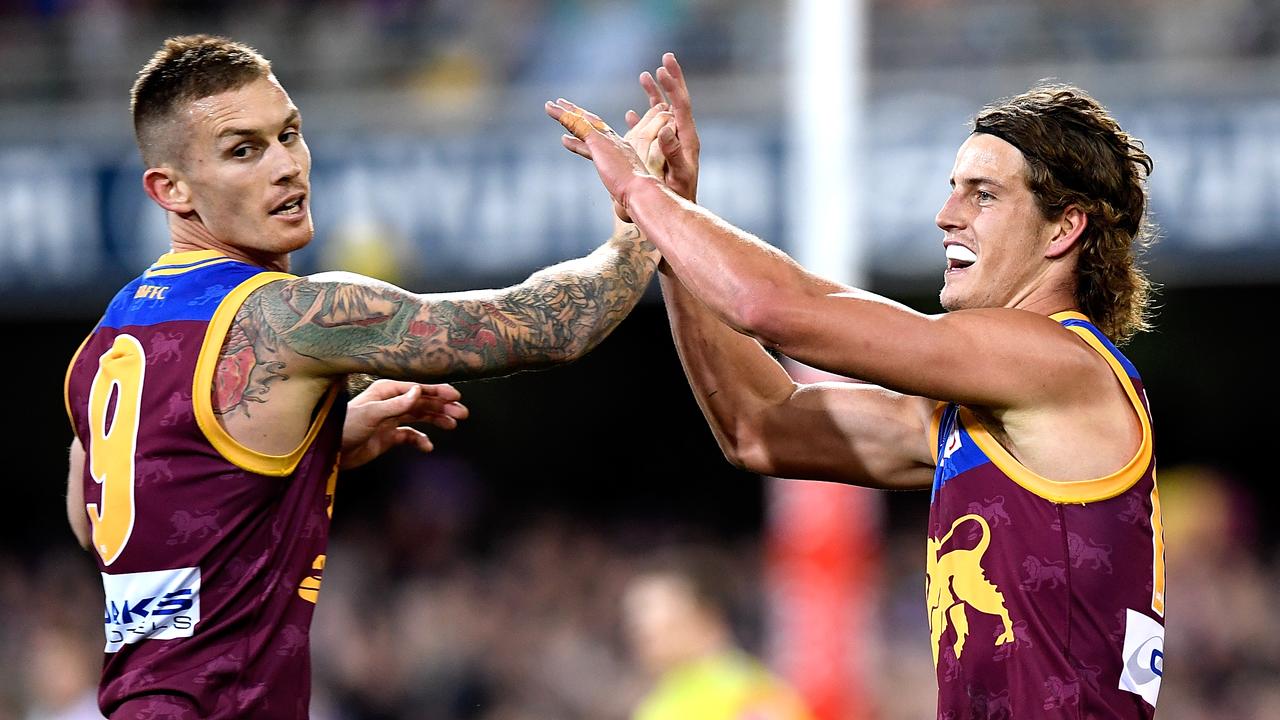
(1041, 342)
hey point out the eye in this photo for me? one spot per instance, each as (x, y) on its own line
(984, 196)
(242, 151)
(289, 136)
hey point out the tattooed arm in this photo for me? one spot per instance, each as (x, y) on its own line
(338, 323)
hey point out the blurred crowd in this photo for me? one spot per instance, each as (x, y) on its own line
(78, 49)
(421, 617)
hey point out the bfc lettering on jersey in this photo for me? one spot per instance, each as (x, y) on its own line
(156, 605)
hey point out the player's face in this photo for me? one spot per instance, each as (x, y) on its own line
(248, 168)
(995, 236)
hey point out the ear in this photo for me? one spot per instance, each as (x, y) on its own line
(165, 186)
(1067, 232)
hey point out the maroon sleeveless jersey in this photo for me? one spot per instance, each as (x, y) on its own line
(1046, 599)
(211, 553)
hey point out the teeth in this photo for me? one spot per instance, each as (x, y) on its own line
(961, 253)
(286, 209)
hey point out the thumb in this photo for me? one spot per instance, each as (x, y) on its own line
(669, 142)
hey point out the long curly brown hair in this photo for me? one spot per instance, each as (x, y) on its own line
(1077, 154)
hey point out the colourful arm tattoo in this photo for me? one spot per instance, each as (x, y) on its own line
(557, 315)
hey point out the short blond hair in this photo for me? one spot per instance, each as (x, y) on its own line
(186, 68)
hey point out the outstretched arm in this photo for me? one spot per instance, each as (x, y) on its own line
(763, 421)
(337, 323)
(964, 356)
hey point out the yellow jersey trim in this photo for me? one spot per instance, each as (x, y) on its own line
(162, 272)
(66, 382)
(935, 430)
(1077, 491)
(202, 388)
(177, 263)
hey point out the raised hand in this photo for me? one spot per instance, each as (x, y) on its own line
(678, 141)
(615, 158)
(376, 418)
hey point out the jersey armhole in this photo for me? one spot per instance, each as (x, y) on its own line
(66, 384)
(202, 388)
(1077, 491)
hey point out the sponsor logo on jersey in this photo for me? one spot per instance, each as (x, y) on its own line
(156, 605)
(1143, 656)
(953, 444)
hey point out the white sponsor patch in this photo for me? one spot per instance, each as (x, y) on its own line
(157, 605)
(1143, 656)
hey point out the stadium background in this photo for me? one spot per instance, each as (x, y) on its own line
(482, 581)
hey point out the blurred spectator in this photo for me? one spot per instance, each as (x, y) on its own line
(63, 674)
(677, 619)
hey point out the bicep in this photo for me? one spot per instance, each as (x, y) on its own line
(75, 494)
(992, 357)
(846, 432)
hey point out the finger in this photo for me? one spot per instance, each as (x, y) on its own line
(654, 121)
(651, 88)
(575, 146)
(426, 404)
(396, 404)
(410, 436)
(444, 422)
(578, 121)
(457, 410)
(669, 143)
(383, 389)
(632, 117)
(671, 78)
(649, 116)
(442, 391)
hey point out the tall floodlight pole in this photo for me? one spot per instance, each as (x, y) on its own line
(823, 539)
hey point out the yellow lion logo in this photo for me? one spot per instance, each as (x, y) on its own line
(955, 580)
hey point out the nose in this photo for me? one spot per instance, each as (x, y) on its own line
(287, 165)
(950, 217)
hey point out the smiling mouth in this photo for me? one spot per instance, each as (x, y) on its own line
(293, 208)
(960, 257)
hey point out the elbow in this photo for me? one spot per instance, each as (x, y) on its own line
(81, 531)
(747, 451)
(763, 316)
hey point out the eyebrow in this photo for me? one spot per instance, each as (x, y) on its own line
(292, 119)
(979, 181)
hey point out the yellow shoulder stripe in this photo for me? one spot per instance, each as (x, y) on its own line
(1078, 491)
(66, 382)
(202, 390)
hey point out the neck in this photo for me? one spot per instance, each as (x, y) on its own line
(188, 234)
(1050, 294)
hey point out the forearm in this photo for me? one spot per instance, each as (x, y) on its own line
(733, 378)
(735, 274)
(567, 309)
